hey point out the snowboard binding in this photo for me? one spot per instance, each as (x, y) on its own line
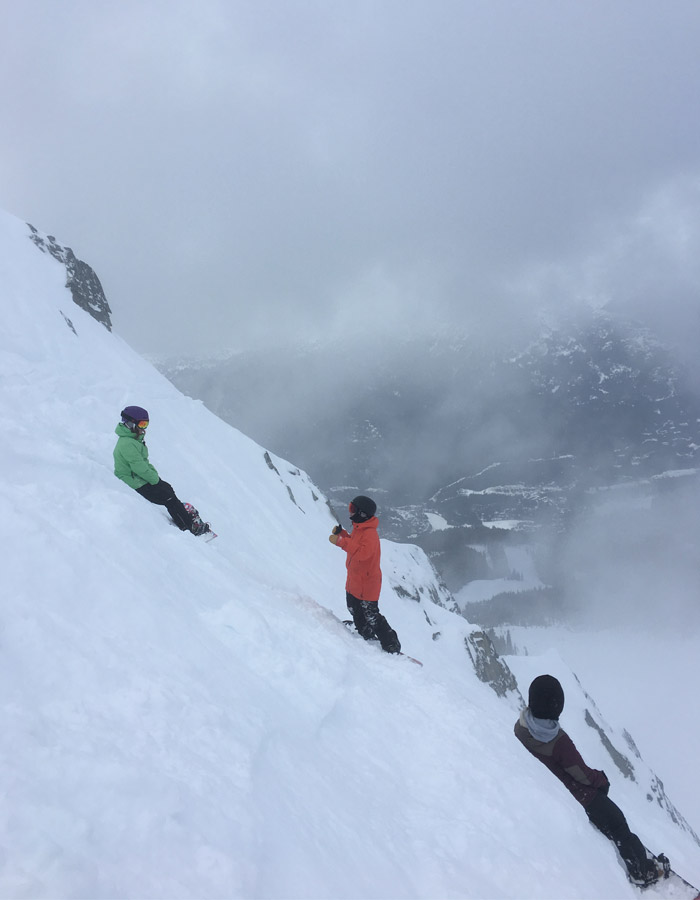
(198, 526)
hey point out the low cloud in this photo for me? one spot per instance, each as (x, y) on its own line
(250, 173)
(637, 564)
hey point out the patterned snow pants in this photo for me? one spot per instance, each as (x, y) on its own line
(371, 624)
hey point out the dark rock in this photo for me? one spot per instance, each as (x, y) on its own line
(82, 281)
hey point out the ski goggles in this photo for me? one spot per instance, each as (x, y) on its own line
(143, 423)
(352, 509)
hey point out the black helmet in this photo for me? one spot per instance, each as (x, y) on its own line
(362, 508)
(546, 697)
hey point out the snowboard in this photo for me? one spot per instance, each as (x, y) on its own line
(670, 884)
(350, 625)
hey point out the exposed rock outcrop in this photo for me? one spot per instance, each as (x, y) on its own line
(82, 281)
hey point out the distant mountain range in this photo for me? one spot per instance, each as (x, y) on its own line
(451, 435)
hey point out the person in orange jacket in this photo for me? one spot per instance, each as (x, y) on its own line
(364, 581)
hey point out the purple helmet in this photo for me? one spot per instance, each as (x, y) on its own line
(134, 414)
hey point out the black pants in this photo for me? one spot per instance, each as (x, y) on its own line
(609, 818)
(163, 494)
(371, 624)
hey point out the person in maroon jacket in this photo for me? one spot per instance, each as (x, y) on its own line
(539, 731)
(364, 581)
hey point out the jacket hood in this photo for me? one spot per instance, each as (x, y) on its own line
(122, 431)
(543, 730)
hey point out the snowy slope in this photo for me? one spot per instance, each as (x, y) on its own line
(189, 720)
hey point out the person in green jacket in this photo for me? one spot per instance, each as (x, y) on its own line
(132, 466)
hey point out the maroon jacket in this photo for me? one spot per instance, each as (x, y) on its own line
(563, 759)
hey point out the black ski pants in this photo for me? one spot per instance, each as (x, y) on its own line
(162, 494)
(371, 624)
(609, 818)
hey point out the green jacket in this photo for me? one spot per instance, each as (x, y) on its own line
(131, 459)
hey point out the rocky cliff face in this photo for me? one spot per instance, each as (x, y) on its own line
(82, 281)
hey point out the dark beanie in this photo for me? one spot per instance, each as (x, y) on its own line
(546, 697)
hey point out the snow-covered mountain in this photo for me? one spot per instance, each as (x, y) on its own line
(183, 719)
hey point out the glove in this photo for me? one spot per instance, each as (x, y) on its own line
(333, 538)
(337, 529)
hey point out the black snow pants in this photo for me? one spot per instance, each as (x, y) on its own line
(371, 624)
(162, 494)
(609, 818)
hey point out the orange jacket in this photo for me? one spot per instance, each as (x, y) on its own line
(364, 579)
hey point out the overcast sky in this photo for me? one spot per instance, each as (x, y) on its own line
(241, 173)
